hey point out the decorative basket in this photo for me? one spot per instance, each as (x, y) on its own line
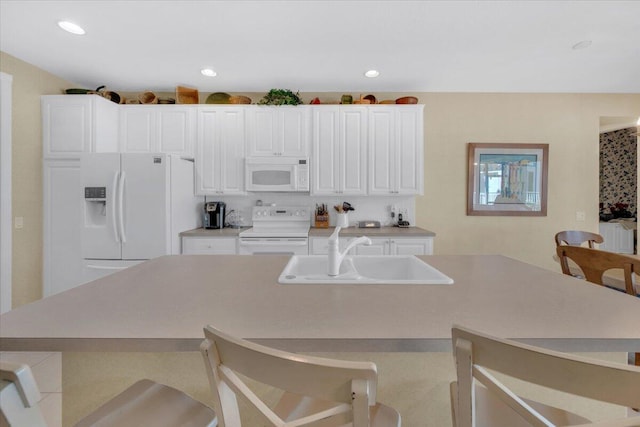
(187, 95)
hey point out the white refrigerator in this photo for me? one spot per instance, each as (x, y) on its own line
(134, 207)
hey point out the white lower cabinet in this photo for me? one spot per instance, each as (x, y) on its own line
(617, 238)
(209, 245)
(379, 246)
(397, 246)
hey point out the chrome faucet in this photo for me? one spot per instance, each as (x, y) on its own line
(335, 257)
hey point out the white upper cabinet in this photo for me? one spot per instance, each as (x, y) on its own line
(396, 150)
(157, 129)
(220, 151)
(339, 162)
(278, 130)
(75, 124)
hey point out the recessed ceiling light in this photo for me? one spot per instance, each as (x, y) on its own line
(372, 73)
(208, 72)
(582, 45)
(71, 27)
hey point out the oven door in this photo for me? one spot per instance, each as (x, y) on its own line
(273, 246)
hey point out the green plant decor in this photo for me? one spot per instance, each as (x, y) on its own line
(280, 97)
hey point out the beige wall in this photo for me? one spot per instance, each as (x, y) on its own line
(569, 123)
(29, 83)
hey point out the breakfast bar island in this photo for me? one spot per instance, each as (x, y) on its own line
(161, 305)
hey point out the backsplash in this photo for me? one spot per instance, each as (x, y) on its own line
(366, 207)
(618, 168)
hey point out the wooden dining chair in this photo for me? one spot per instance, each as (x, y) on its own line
(145, 403)
(578, 238)
(594, 263)
(479, 399)
(316, 391)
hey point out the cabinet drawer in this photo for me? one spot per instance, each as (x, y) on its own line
(209, 245)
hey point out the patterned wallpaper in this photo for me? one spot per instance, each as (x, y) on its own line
(618, 168)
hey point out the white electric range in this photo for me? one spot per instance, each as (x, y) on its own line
(277, 230)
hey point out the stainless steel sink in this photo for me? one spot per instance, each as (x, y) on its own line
(363, 269)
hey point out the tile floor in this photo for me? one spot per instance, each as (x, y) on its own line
(47, 371)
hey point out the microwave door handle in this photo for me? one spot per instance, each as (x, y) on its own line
(114, 207)
(295, 177)
(123, 236)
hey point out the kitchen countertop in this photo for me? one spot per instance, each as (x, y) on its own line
(319, 232)
(373, 232)
(162, 305)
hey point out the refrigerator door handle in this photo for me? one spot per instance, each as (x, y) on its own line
(123, 236)
(114, 218)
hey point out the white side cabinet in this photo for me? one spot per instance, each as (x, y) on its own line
(62, 214)
(616, 238)
(339, 161)
(209, 245)
(396, 150)
(75, 124)
(220, 151)
(278, 130)
(379, 246)
(397, 246)
(167, 129)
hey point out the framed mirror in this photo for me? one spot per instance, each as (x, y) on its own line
(507, 179)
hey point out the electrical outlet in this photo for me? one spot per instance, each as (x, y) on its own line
(581, 216)
(18, 222)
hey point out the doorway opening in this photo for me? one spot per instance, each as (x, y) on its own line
(618, 195)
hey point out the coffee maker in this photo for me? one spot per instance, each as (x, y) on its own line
(214, 214)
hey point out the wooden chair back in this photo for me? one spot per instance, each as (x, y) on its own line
(351, 385)
(476, 353)
(594, 263)
(577, 238)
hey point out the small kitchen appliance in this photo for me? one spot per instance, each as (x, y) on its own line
(214, 215)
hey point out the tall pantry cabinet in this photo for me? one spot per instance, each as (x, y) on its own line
(71, 125)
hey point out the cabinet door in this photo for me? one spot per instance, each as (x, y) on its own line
(396, 150)
(399, 246)
(261, 131)
(220, 151)
(210, 246)
(353, 150)
(379, 246)
(62, 212)
(293, 131)
(176, 130)
(382, 150)
(339, 150)
(278, 131)
(409, 149)
(326, 151)
(138, 129)
(66, 125)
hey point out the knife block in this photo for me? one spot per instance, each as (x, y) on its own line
(322, 221)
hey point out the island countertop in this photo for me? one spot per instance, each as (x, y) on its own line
(162, 305)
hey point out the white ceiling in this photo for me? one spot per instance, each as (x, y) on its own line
(431, 46)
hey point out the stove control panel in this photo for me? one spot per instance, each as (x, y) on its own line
(280, 213)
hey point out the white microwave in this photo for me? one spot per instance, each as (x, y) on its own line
(289, 174)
